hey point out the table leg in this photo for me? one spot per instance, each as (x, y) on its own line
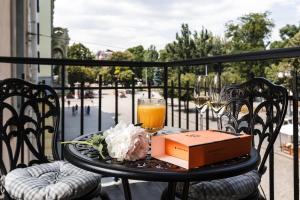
(126, 189)
(171, 191)
(185, 192)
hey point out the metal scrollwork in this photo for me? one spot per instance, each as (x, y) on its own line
(256, 107)
(27, 107)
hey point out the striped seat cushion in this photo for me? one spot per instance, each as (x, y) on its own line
(233, 188)
(57, 180)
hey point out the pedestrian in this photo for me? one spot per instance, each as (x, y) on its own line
(76, 107)
(88, 110)
(69, 103)
(73, 110)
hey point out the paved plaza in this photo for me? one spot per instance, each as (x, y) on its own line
(283, 162)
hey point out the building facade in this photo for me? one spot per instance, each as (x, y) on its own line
(45, 17)
(104, 55)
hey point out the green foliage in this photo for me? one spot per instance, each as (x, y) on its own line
(118, 72)
(231, 76)
(289, 31)
(184, 79)
(105, 73)
(183, 47)
(122, 56)
(294, 41)
(78, 74)
(137, 52)
(196, 45)
(286, 65)
(79, 51)
(124, 75)
(272, 73)
(251, 32)
(150, 54)
(286, 33)
(278, 44)
(163, 55)
(97, 141)
(157, 76)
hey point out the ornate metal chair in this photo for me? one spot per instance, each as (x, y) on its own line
(256, 107)
(27, 172)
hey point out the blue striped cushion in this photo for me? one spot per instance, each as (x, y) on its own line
(57, 180)
(233, 188)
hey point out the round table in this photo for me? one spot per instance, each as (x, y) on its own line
(151, 169)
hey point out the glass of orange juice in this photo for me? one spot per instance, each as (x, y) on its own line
(151, 113)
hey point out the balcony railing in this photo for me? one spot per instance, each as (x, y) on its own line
(176, 114)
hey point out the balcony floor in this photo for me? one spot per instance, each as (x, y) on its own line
(139, 189)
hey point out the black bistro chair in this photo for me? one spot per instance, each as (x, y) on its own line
(256, 107)
(27, 111)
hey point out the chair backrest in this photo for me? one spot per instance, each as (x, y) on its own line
(256, 107)
(25, 112)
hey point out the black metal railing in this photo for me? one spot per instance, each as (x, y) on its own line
(168, 90)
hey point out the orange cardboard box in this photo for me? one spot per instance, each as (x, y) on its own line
(199, 148)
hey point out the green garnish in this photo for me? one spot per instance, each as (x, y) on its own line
(96, 141)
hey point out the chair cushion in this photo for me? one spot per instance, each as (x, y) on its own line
(57, 180)
(237, 187)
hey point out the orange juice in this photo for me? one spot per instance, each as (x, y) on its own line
(151, 116)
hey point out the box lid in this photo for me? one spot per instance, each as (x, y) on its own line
(201, 137)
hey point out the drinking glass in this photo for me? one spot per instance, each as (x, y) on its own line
(201, 97)
(217, 104)
(151, 113)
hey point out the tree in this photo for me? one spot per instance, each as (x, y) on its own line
(78, 73)
(122, 56)
(119, 56)
(151, 55)
(204, 43)
(124, 75)
(287, 32)
(163, 55)
(196, 45)
(105, 73)
(137, 52)
(286, 65)
(79, 51)
(189, 46)
(183, 47)
(251, 32)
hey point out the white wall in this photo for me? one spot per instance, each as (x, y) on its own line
(5, 37)
(45, 35)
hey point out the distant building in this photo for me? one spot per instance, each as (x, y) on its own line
(104, 55)
(60, 43)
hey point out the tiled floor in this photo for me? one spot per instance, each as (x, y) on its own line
(139, 190)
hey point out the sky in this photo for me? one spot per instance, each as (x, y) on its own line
(120, 24)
